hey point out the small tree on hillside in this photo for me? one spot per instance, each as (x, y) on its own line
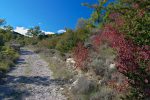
(36, 31)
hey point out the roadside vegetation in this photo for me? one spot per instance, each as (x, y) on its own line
(111, 51)
(9, 48)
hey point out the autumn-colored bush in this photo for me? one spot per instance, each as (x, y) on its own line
(127, 32)
(132, 60)
(80, 55)
(119, 83)
(133, 45)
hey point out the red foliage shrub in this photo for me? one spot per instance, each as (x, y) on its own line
(128, 34)
(80, 55)
(141, 13)
(132, 61)
(135, 5)
(119, 87)
(116, 18)
(119, 83)
(96, 40)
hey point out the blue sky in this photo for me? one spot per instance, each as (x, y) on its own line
(50, 15)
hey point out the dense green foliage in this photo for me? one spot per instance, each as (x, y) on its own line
(63, 42)
(70, 39)
(8, 54)
(135, 17)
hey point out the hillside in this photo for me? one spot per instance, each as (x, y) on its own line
(106, 57)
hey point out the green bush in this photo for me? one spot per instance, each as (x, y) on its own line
(7, 58)
(70, 39)
(4, 66)
(1, 40)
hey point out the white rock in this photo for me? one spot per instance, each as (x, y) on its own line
(100, 82)
(112, 66)
(61, 89)
(70, 60)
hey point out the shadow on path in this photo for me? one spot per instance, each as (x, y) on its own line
(26, 52)
(36, 80)
(11, 90)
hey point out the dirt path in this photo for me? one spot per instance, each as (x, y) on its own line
(31, 80)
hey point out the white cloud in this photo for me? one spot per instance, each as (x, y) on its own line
(21, 30)
(46, 33)
(61, 31)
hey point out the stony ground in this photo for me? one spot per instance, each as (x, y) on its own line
(31, 79)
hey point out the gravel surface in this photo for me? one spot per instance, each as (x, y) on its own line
(31, 79)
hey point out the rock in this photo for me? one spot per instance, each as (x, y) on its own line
(61, 89)
(112, 66)
(71, 81)
(70, 62)
(101, 82)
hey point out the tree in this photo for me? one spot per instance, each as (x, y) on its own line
(8, 28)
(98, 13)
(67, 42)
(36, 31)
(82, 24)
(2, 21)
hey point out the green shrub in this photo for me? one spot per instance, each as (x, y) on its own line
(105, 93)
(1, 40)
(60, 70)
(4, 66)
(7, 58)
(70, 39)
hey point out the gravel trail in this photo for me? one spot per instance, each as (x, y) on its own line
(31, 79)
